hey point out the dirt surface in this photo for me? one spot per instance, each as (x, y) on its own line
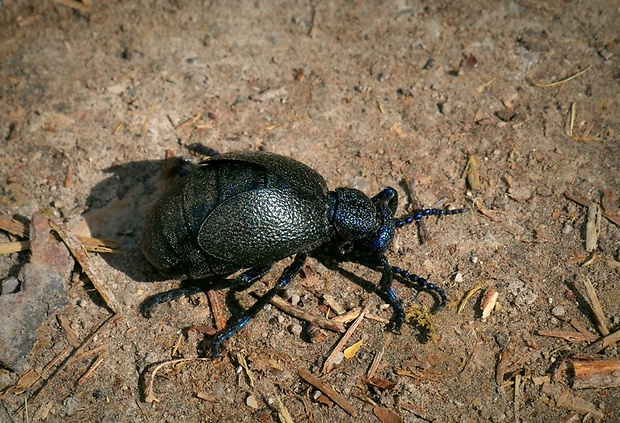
(370, 94)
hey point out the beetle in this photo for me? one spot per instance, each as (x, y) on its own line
(246, 210)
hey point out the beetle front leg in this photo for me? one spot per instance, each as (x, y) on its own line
(232, 328)
(423, 283)
(385, 287)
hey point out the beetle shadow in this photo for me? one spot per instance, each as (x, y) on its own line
(116, 208)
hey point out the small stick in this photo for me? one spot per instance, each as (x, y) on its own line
(571, 122)
(79, 352)
(81, 255)
(352, 314)
(148, 376)
(593, 227)
(14, 247)
(307, 316)
(329, 391)
(595, 305)
(14, 227)
(569, 335)
(90, 370)
(561, 81)
(375, 363)
(603, 343)
(611, 216)
(329, 363)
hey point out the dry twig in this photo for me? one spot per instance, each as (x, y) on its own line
(329, 362)
(329, 391)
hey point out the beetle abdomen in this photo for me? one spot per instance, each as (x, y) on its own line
(236, 212)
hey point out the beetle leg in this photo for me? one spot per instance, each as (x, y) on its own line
(243, 280)
(232, 328)
(248, 277)
(423, 283)
(150, 303)
(385, 287)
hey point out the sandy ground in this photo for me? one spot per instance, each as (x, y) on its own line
(370, 94)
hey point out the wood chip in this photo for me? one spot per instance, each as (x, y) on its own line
(380, 383)
(69, 332)
(593, 227)
(217, 309)
(375, 363)
(473, 173)
(489, 299)
(596, 374)
(329, 391)
(386, 415)
(333, 304)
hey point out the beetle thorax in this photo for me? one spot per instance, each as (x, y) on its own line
(353, 214)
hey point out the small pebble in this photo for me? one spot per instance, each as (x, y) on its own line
(567, 229)
(252, 402)
(458, 277)
(474, 259)
(9, 285)
(338, 359)
(295, 299)
(558, 311)
(295, 329)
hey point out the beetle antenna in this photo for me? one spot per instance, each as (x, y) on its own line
(417, 215)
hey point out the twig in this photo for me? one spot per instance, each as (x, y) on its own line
(148, 376)
(80, 254)
(595, 305)
(90, 370)
(573, 76)
(609, 215)
(375, 363)
(14, 247)
(603, 343)
(307, 316)
(570, 336)
(79, 352)
(329, 362)
(329, 391)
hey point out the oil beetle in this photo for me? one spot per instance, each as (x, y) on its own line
(250, 209)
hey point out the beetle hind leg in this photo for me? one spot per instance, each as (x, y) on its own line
(235, 326)
(242, 281)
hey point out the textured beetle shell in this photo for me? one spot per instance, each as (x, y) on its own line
(238, 210)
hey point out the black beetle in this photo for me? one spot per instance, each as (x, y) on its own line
(250, 209)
